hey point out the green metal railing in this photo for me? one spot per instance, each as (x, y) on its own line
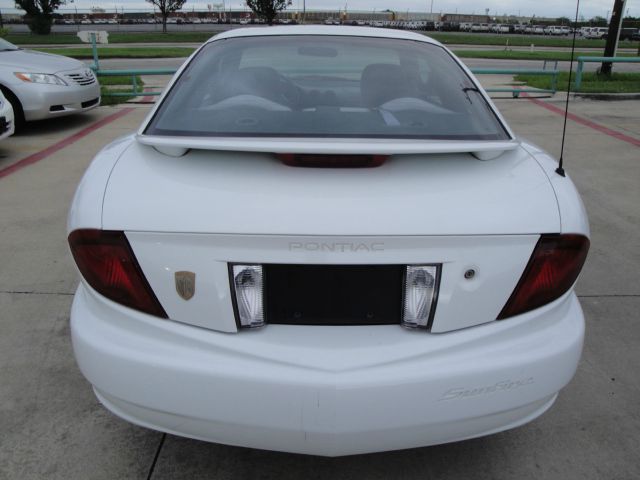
(516, 91)
(136, 91)
(583, 60)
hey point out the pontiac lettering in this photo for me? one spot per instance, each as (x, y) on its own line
(336, 247)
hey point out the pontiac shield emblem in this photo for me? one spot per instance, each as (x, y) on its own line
(185, 284)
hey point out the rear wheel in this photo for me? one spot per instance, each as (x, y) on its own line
(18, 113)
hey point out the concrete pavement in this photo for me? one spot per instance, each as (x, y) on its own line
(53, 427)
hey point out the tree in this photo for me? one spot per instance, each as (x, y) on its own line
(166, 7)
(267, 9)
(564, 21)
(39, 14)
(598, 21)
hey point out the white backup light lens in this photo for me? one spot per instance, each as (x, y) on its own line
(419, 293)
(248, 284)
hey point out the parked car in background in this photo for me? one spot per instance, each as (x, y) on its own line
(449, 27)
(628, 33)
(538, 30)
(598, 33)
(7, 125)
(586, 31)
(326, 240)
(40, 85)
(478, 27)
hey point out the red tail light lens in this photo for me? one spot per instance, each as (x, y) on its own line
(331, 161)
(553, 268)
(107, 263)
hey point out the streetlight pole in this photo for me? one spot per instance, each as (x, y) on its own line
(614, 35)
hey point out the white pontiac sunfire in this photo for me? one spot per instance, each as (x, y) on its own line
(326, 240)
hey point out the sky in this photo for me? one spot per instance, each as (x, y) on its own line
(548, 8)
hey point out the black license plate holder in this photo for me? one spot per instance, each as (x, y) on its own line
(333, 294)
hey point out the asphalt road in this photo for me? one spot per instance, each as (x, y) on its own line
(52, 427)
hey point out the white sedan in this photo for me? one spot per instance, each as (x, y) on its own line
(327, 241)
(40, 85)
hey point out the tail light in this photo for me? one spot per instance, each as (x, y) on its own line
(331, 161)
(107, 263)
(553, 268)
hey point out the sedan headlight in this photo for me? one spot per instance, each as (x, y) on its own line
(45, 78)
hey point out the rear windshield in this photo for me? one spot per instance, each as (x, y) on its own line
(325, 86)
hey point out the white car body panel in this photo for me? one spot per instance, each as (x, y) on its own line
(86, 208)
(331, 392)
(161, 255)
(573, 215)
(327, 390)
(465, 202)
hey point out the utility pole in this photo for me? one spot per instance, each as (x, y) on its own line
(613, 36)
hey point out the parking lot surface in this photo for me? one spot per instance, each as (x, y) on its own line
(53, 427)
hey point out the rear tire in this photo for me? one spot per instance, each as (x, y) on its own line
(18, 113)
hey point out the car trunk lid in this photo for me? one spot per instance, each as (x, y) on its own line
(255, 193)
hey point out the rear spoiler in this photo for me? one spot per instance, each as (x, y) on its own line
(177, 146)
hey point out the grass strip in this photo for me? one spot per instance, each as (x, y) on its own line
(199, 37)
(106, 82)
(591, 82)
(124, 80)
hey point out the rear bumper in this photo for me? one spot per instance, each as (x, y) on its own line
(326, 390)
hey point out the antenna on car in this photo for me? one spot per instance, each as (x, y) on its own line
(560, 170)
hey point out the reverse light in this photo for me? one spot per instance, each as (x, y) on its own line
(248, 289)
(553, 268)
(420, 295)
(106, 261)
(45, 78)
